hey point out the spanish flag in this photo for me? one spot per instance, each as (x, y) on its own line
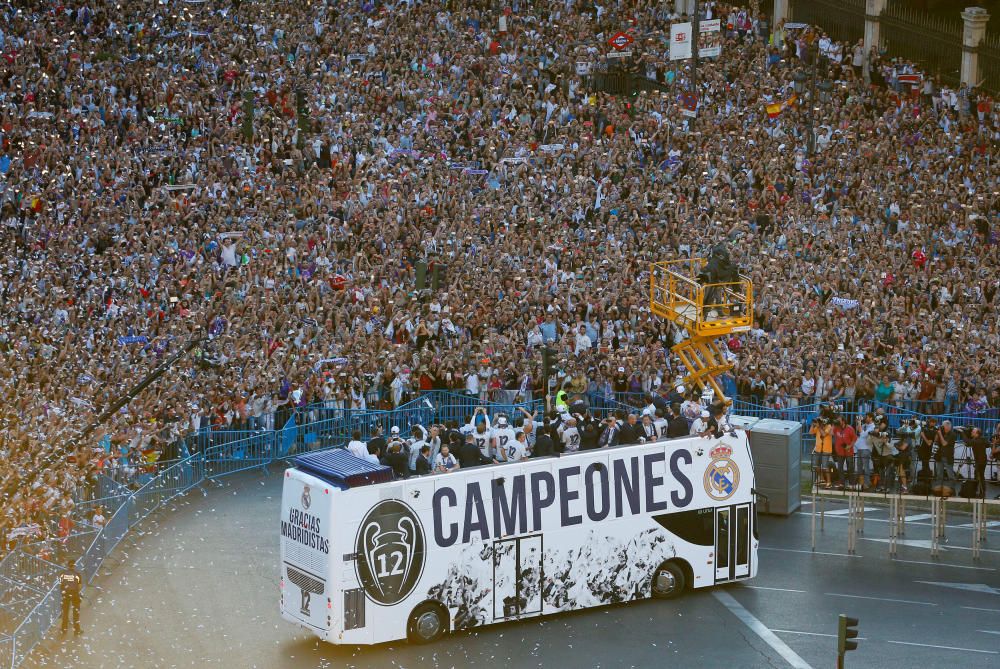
(775, 108)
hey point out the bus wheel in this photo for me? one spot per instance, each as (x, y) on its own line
(668, 581)
(428, 623)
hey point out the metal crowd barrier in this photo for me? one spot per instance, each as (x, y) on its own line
(29, 583)
(29, 590)
(844, 477)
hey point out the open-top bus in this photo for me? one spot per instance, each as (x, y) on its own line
(367, 559)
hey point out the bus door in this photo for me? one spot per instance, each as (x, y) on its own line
(517, 577)
(732, 542)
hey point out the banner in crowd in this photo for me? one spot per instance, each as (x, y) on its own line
(709, 40)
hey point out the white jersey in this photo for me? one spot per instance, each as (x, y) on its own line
(699, 425)
(661, 427)
(482, 442)
(571, 439)
(503, 438)
(516, 450)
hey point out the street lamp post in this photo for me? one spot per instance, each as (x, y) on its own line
(695, 29)
(813, 55)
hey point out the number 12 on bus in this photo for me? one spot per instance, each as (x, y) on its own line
(366, 559)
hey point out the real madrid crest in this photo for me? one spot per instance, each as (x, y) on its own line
(306, 498)
(722, 477)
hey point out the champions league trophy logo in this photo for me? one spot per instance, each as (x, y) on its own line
(390, 548)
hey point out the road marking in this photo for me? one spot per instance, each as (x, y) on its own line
(761, 630)
(944, 564)
(761, 587)
(968, 587)
(917, 516)
(793, 550)
(860, 638)
(879, 599)
(926, 543)
(929, 645)
(989, 523)
(965, 526)
(844, 512)
(976, 608)
(915, 543)
(982, 631)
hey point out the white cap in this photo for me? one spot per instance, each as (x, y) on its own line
(621, 369)
(501, 420)
(394, 430)
(705, 414)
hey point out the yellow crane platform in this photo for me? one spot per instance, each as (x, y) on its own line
(706, 311)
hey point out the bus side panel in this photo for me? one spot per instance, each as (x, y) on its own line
(583, 563)
(574, 549)
(305, 527)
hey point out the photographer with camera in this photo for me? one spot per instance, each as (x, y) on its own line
(822, 451)
(979, 447)
(864, 450)
(995, 450)
(882, 453)
(718, 270)
(945, 455)
(844, 438)
(907, 434)
(925, 449)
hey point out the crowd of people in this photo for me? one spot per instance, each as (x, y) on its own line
(868, 454)
(341, 198)
(480, 440)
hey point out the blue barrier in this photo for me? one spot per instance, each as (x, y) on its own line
(30, 593)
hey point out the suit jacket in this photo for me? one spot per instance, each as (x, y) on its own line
(630, 433)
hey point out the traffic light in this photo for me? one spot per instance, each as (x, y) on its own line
(846, 633)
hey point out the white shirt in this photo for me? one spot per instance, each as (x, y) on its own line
(358, 448)
(570, 438)
(516, 450)
(482, 442)
(699, 425)
(502, 439)
(444, 462)
(414, 452)
(862, 443)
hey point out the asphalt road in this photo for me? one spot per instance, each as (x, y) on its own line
(198, 588)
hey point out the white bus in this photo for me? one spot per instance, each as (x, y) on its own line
(366, 559)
